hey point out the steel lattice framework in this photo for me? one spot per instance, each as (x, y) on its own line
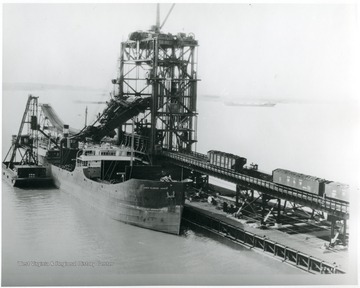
(26, 142)
(163, 67)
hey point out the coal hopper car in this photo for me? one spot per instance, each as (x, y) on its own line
(226, 160)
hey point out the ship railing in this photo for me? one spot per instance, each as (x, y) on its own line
(313, 200)
(141, 143)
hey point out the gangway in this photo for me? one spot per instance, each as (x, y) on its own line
(331, 206)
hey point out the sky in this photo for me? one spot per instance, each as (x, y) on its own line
(286, 52)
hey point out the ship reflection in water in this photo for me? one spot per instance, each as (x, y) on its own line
(49, 238)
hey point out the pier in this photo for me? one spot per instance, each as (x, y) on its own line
(304, 252)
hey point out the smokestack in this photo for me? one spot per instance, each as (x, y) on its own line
(66, 130)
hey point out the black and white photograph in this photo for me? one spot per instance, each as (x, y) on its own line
(180, 144)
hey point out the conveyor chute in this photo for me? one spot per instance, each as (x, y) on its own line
(116, 113)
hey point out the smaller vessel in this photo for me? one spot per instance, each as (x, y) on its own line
(22, 175)
(27, 172)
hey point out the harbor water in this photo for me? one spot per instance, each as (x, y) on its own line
(50, 238)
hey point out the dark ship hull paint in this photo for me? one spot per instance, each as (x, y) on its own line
(145, 203)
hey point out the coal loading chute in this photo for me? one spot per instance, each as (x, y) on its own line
(115, 114)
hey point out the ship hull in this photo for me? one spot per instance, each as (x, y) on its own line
(145, 203)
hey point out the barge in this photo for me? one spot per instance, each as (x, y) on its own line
(26, 176)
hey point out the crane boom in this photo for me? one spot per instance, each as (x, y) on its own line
(167, 16)
(157, 17)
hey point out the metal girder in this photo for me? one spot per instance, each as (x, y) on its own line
(163, 66)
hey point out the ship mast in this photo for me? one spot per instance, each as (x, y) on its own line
(132, 142)
(86, 114)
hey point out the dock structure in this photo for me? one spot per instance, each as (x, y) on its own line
(306, 253)
(267, 190)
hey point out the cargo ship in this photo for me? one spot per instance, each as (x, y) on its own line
(118, 183)
(113, 176)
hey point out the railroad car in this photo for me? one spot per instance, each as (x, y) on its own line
(337, 191)
(299, 181)
(226, 160)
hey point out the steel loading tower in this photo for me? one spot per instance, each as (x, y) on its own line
(163, 67)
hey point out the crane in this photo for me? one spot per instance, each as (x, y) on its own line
(25, 141)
